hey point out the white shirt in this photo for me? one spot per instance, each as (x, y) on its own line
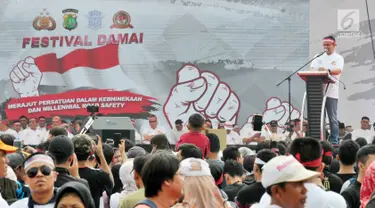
(147, 131)
(177, 134)
(333, 61)
(10, 132)
(365, 133)
(23, 203)
(10, 174)
(234, 138)
(32, 137)
(316, 197)
(137, 138)
(249, 132)
(42, 128)
(3, 203)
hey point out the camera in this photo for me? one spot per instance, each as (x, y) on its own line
(92, 109)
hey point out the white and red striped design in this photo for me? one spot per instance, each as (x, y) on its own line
(96, 68)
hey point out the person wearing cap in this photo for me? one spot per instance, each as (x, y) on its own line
(233, 138)
(4, 129)
(8, 186)
(197, 174)
(62, 149)
(135, 152)
(15, 162)
(253, 193)
(333, 63)
(32, 136)
(308, 152)
(271, 132)
(40, 177)
(283, 178)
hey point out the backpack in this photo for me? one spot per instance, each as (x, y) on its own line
(147, 202)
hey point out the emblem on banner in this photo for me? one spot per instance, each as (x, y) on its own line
(44, 21)
(70, 19)
(121, 20)
(95, 19)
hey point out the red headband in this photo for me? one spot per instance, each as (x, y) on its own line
(328, 153)
(309, 164)
(329, 40)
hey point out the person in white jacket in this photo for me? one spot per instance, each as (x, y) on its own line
(308, 152)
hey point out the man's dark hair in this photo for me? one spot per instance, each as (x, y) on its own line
(233, 168)
(23, 116)
(341, 125)
(347, 152)
(64, 121)
(196, 121)
(178, 121)
(214, 142)
(306, 149)
(139, 162)
(189, 150)
(107, 152)
(7, 139)
(326, 147)
(361, 141)
(36, 153)
(364, 152)
(231, 153)
(128, 144)
(161, 142)
(57, 131)
(263, 145)
(330, 37)
(82, 146)
(248, 162)
(16, 121)
(61, 148)
(160, 167)
(265, 155)
(365, 118)
(41, 117)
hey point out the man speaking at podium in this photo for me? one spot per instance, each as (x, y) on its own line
(333, 63)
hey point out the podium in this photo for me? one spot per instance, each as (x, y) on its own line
(316, 100)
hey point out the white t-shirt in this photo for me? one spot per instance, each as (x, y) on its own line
(333, 61)
(177, 134)
(316, 197)
(23, 203)
(234, 138)
(32, 137)
(10, 132)
(365, 133)
(147, 130)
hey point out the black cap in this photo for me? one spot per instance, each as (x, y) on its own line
(61, 146)
(273, 123)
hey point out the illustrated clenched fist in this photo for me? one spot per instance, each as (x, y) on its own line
(200, 92)
(25, 77)
(279, 111)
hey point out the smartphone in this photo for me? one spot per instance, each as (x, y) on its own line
(257, 122)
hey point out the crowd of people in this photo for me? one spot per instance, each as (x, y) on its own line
(56, 166)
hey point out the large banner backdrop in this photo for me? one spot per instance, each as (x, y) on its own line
(221, 58)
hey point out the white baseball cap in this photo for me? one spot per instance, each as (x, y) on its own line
(228, 125)
(285, 169)
(194, 167)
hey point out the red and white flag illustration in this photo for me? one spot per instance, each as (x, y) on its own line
(95, 68)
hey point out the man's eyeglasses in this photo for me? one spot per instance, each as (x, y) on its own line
(45, 170)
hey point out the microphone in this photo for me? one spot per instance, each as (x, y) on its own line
(320, 54)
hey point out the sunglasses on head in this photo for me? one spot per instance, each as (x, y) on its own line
(45, 170)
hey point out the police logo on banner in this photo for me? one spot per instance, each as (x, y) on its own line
(95, 19)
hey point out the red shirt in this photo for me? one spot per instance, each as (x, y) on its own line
(198, 139)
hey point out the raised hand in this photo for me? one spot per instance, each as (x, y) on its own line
(26, 77)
